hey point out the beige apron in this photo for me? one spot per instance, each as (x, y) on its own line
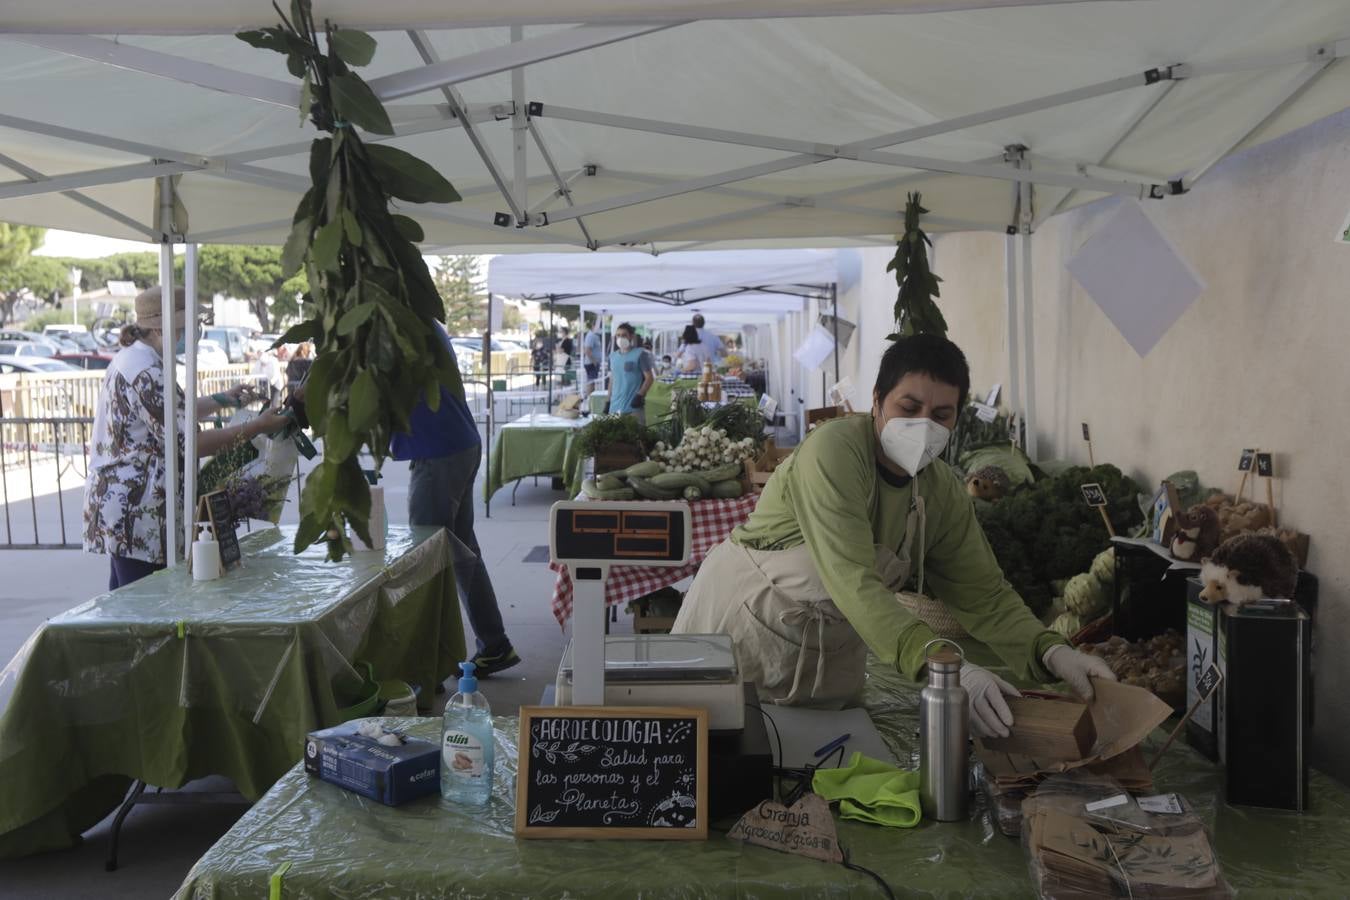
(791, 640)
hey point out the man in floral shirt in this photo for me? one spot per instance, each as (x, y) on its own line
(124, 497)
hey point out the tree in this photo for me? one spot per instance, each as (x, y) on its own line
(253, 274)
(17, 243)
(512, 318)
(459, 281)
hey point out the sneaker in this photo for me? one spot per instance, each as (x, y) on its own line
(486, 664)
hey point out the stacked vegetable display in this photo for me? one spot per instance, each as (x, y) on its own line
(706, 464)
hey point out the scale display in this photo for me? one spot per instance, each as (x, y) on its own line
(639, 533)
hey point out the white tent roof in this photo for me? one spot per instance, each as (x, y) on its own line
(685, 277)
(671, 125)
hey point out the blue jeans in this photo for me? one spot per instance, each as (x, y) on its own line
(125, 570)
(441, 493)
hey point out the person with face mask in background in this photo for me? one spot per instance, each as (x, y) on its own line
(808, 583)
(631, 374)
(124, 496)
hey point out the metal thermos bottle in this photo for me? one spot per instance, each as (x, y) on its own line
(944, 733)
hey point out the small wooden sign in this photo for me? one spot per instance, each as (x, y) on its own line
(1265, 465)
(613, 772)
(1245, 460)
(1087, 433)
(222, 521)
(1093, 495)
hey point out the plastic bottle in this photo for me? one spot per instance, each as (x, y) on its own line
(467, 743)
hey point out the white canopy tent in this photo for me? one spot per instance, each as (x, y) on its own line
(771, 290)
(608, 124)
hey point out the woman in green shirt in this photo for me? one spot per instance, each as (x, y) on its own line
(809, 581)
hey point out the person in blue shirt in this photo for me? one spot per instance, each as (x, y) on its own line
(631, 374)
(444, 453)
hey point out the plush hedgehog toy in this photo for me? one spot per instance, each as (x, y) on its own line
(989, 483)
(1197, 533)
(1247, 568)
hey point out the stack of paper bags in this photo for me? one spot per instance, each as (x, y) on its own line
(1123, 716)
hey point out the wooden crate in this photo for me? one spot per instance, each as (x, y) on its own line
(759, 469)
(1048, 729)
(616, 456)
(821, 414)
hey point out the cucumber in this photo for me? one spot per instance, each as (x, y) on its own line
(609, 483)
(727, 490)
(678, 481)
(644, 469)
(723, 473)
(592, 490)
(693, 493)
(644, 488)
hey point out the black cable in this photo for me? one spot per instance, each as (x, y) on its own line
(881, 882)
(779, 740)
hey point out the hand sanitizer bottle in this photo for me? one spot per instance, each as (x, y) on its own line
(467, 744)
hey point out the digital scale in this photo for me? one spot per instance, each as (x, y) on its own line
(636, 670)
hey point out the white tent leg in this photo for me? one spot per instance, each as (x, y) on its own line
(1014, 362)
(190, 462)
(170, 382)
(1028, 319)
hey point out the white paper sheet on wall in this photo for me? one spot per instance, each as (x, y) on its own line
(1137, 276)
(817, 347)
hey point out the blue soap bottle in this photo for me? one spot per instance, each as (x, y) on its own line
(467, 743)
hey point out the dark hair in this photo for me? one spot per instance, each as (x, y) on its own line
(131, 333)
(928, 354)
(624, 326)
(690, 336)
(698, 320)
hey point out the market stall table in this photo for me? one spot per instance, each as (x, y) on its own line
(335, 842)
(168, 679)
(714, 520)
(534, 444)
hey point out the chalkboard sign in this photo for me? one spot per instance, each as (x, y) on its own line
(1265, 465)
(1245, 460)
(222, 520)
(613, 772)
(1087, 433)
(1093, 495)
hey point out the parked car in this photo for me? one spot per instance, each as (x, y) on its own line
(86, 360)
(231, 339)
(11, 365)
(27, 348)
(74, 334)
(210, 355)
(32, 337)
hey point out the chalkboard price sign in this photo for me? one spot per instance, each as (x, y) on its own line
(222, 520)
(616, 772)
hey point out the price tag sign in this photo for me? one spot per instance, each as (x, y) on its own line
(1087, 435)
(222, 520)
(1265, 465)
(1209, 681)
(1093, 495)
(1245, 460)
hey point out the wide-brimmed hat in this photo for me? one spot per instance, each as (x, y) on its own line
(150, 308)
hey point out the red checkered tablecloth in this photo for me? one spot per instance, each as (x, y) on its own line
(714, 520)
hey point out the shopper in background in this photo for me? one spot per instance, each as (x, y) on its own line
(712, 342)
(125, 496)
(568, 348)
(444, 454)
(298, 367)
(692, 352)
(592, 351)
(631, 374)
(808, 583)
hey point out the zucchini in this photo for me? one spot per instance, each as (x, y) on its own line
(693, 493)
(644, 469)
(592, 490)
(723, 473)
(678, 481)
(609, 483)
(648, 491)
(727, 490)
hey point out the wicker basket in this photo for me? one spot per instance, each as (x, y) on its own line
(933, 613)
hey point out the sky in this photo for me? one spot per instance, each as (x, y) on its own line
(87, 246)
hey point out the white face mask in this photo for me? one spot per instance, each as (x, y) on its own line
(624, 343)
(913, 443)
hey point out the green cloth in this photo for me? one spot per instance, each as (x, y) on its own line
(169, 679)
(829, 496)
(535, 444)
(341, 844)
(872, 791)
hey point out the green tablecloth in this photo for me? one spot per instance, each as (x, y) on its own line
(531, 445)
(339, 844)
(167, 679)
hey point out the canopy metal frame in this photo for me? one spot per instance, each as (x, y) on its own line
(546, 222)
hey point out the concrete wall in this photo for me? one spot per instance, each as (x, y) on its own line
(1261, 359)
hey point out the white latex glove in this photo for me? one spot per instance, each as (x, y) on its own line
(989, 713)
(1076, 669)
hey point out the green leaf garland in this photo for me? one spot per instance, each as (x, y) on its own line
(372, 303)
(915, 311)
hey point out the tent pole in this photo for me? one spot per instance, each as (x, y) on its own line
(190, 461)
(1014, 363)
(1029, 331)
(834, 325)
(520, 127)
(487, 346)
(167, 347)
(548, 346)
